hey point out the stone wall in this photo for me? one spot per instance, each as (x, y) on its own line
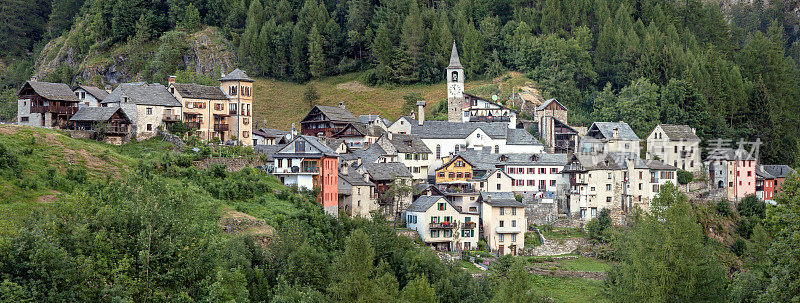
(541, 213)
(175, 140)
(555, 247)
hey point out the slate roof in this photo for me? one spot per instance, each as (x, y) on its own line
(546, 103)
(521, 137)
(357, 126)
(333, 143)
(607, 130)
(268, 150)
(97, 92)
(335, 113)
(197, 91)
(453, 159)
(270, 132)
(505, 198)
(143, 94)
(481, 175)
(401, 143)
(53, 91)
(454, 61)
(730, 154)
(366, 119)
(778, 171)
(658, 165)
(314, 142)
(237, 75)
(457, 130)
(610, 161)
(679, 132)
(94, 113)
(370, 155)
(354, 180)
(423, 203)
(386, 171)
(486, 160)
(763, 174)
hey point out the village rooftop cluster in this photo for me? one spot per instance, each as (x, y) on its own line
(479, 175)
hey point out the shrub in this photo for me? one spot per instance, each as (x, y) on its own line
(685, 177)
(750, 206)
(724, 207)
(739, 247)
(598, 226)
(8, 160)
(744, 227)
(77, 174)
(482, 245)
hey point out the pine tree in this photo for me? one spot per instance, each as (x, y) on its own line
(411, 43)
(191, 19)
(316, 55)
(357, 21)
(552, 18)
(383, 50)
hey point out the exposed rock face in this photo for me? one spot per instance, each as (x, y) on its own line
(208, 53)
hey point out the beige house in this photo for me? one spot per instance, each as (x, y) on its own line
(150, 107)
(676, 145)
(441, 225)
(607, 137)
(503, 221)
(357, 197)
(239, 89)
(205, 110)
(496, 180)
(615, 181)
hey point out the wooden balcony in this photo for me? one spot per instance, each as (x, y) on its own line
(70, 110)
(117, 130)
(171, 118)
(468, 225)
(221, 127)
(442, 226)
(193, 125)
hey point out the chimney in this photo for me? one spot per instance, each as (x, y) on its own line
(222, 74)
(616, 133)
(421, 110)
(694, 130)
(341, 105)
(108, 88)
(294, 132)
(428, 192)
(34, 78)
(413, 116)
(171, 80)
(389, 135)
(489, 198)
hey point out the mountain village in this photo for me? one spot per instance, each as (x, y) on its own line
(483, 175)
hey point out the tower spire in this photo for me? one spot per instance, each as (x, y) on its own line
(454, 61)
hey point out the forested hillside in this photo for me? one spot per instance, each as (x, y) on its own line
(730, 73)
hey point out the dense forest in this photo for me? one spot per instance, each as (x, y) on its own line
(731, 73)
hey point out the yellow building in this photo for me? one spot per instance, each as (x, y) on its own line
(223, 112)
(454, 169)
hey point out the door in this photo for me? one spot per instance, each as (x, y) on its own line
(501, 249)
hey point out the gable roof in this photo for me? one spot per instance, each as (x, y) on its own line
(518, 136)
(658, 165)
(354, 180)
(401, 143)
(143, 94)
(270, 132)
(457, 130)
(268, 150)
(334, 113)
(763, 174)
(197, 91)
(386, 171)
(97, 92)
(96, 114)
(52, 91)
(358, 127)
(236, 75)
(454, 61)
(679, 132)
(606, 130)
(612, 161)
(423, 203)
(314, 142)
(548, 102)
(778, 171)
(453, 159)
(504, 198)
(491, 102)
(729, 154)
(478, 176)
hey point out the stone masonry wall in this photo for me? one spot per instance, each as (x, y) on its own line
(541, 213)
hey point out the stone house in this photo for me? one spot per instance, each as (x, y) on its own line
(607, 137)
(660, 175)
(90, 96)
(45, 104)
(268, 136)
(733, 171)
(677, 145)
(383, 175)
(205, 110)
(110, 123)
(357, 197)
(408, 150)
(503, 222)
(149, 106)
(238, 87)
(557, 136)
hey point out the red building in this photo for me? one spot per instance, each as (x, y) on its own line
(307, 163)
(325, 121)
(779, 172)
(765, 184)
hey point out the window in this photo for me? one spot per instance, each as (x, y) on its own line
(467, 175)
(448, 219)
(442, 206)
(23, 119)
(498, 175)
(501, 237)
(441, 174)
(219, 106)
(609, 176)
(608, 186)
(299, 146)
(608, 199)
(497, 149)
(676, 148)
(451, 175)
(513, 237)
(749, 173)
(408, 156)
(640, 186)
(554, 170)
(502, 212)
(531, 182)
(552, 182)
(583, 213)
(498, 186)
(149, 127)
(246, 121)
(459, 163)
(434, 233)
(594, 212)
(655, 188)
(542, 170)
(438, 150)
(149, 111)
(531, 170)
(502, 223)
(514, 213)
(232, 90)
(591, 188)
(542, 184)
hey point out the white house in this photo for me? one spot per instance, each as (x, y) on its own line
(503, 221)
(441, 225)
(90, 96)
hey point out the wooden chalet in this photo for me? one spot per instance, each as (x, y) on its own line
(46, 104)
(325, 121)
(108, 123)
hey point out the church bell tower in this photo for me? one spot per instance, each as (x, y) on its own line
(455, 87)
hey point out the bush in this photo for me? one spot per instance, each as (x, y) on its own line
(750, 206)
(598, 226)
(744, 227)
(724, 207)
(8, 160)
(482, 245)
(685, 177)
(739, 247)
